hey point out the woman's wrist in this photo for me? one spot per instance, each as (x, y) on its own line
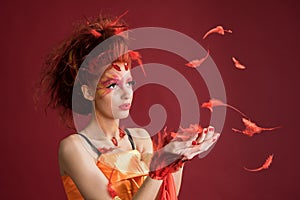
(163, 164)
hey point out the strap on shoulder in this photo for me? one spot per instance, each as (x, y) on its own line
(130, 139)
(95, 149)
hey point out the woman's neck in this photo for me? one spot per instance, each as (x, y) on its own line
(101, 127)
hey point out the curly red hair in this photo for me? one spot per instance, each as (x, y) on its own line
(64, 62)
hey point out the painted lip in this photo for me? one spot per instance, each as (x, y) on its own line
(125, 106)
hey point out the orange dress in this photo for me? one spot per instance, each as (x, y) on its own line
(125, 170)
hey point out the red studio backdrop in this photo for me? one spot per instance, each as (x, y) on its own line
(265, 38)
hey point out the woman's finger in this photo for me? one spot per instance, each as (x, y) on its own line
(210, 133)
(201, 137)
(189, 148)
(208, 143)
(202, 147)
(206, 134)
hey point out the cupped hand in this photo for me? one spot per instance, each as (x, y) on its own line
(188, 143)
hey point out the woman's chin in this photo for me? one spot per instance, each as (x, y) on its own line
(122, 115)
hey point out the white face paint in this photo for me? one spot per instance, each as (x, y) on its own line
(114, 93)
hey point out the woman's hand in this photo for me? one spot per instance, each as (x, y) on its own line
(189, 142)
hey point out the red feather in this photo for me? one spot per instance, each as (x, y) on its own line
(266, 165)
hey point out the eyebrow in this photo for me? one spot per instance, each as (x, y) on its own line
(110, 80)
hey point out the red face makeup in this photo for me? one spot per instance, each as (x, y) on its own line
(114, 91)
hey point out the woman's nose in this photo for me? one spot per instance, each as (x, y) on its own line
(126, 92)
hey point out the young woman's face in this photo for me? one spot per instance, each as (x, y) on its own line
(114, 92)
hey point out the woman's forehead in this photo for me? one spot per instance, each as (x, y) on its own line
(121, 72)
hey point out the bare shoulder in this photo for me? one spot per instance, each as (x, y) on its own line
(139, 133)
(77, 163)
(71, 152)
(69, 145)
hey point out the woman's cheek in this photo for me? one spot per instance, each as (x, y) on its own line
(103, 92)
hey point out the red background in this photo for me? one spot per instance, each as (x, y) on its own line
(265, 39)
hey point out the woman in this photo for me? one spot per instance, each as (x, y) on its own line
(103, 161)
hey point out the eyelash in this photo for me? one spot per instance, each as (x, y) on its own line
(132, 83)
(112, 86)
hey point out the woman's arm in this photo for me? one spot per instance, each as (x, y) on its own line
(178, 179)
(148, 190)
(76, 162)
(150, 187)
(187, 149)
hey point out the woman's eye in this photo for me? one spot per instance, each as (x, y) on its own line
(112, 86)
(131, 83)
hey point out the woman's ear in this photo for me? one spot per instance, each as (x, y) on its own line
(87, 92)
